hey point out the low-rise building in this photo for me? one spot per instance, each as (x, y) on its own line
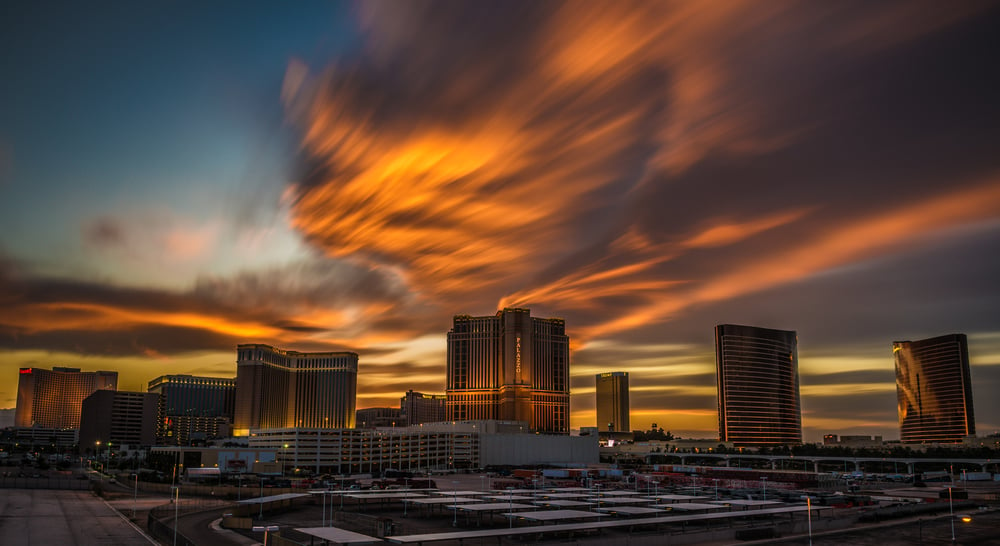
(426, 447)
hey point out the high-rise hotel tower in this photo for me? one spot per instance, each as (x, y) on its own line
(510, 367)
(53, 398)
(612, 402)
(758, 381)
(289, 389)
(934, 389)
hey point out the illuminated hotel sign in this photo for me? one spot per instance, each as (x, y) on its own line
(517, 355)
(25, 370)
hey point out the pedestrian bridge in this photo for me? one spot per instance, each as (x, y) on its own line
(811, 463)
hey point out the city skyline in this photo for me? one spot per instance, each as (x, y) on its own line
(178, 180)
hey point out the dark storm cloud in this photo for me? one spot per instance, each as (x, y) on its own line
(302, 305)
(948, 285)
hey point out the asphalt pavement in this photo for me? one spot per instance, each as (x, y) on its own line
(40, 517)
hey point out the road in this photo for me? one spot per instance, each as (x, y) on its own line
(47, 517)
(197, 528)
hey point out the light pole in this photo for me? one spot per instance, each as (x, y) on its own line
(177, 500)
(260, 502)
(716, 480)
(135, 493)
(266, 529)
(97, 455)
(951, 513)
(810, 515)
(763, 482)
(510, 507)
(454, 491)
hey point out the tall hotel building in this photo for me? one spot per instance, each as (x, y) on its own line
(417, 408)
(509, 367)
(934, 389)
(612, 402)
(758, 380)
(191, 406)
(289, 389)
(53, 398)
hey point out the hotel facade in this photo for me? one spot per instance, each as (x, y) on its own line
(757, 372)
(193, 407)
(276, 388)
(118, 417)
(612, 402)
(418, 407)
(934, 390)
(53, 398)
(509, 367)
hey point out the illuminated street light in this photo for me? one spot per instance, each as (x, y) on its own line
(266, 529)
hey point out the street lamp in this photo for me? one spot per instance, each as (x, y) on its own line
(510, 507)
(810, 515)
(266, 529)
(135, 493)
(763, 481)
(454, 491)
(951, 512)
(716, 480)
(177, 500)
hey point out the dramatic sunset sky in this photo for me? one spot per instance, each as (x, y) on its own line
(177, 178)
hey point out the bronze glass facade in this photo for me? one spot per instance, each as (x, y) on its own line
(757, 371)
(285, 389)
(934, 389)
(53, 398)
(510, 367)
(612, 402)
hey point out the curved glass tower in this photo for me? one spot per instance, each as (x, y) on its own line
(934, 389)
(758, 380)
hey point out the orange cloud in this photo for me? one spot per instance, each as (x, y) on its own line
(728, 233)
(843, 244)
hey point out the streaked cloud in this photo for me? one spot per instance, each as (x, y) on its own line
(643, 170)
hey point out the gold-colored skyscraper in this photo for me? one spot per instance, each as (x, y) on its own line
(511, 367)
(934, 389)
(612, 402)
(284, 389)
